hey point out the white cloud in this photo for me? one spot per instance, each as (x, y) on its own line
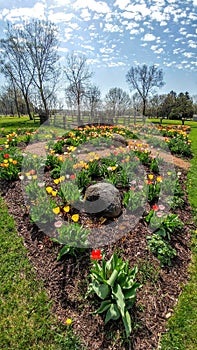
(134, 31)
(60, 17)
(93, 61)
(92, 27)
(157, 49)
(131, 25)
(148, 37)
(160, 50)
(122, 4)
(67, 34)
(116, 64)
(192, 44)
(142, 9)
(97, 6)
(61, 2)
(188, 54)
(192, 16)
(163, 23)
(98, 16)
(177, 51)
(37, 11)
(88, 47)
(5, 12)
(106, 50)
(63, 49)
(85, 15)
(132, 15)
(74, 26)
(112, 28)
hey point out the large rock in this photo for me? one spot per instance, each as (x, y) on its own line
(119, 138)
(104, 199)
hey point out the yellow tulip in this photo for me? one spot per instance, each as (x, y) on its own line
(56, 210)
(48, 189)
(66, 209)
(150, 176)
(54, 193)
(75, 217)
(159, 178)
(56, 181)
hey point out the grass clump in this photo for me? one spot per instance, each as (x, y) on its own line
(25, 318)
(182, 327)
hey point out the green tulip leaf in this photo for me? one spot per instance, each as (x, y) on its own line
(113, 313)
(102, 290)
(127, 323)
(104, 306)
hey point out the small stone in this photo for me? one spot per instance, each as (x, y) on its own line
(168, 315)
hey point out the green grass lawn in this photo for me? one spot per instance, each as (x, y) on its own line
(182, 333)
(25, 318)
(13, 123)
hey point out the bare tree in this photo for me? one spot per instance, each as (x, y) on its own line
(7, 101)
(41, 45)
(13, 64)
(29, 59)
(93, 99)
(71, 101)
(144, 79)
(12, 101)
(78, 77)
(118, 101)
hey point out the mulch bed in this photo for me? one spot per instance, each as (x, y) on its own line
(66, 281)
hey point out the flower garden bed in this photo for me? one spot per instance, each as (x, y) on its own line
(147, 234)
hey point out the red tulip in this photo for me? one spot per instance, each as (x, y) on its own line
(155, 207)
(96, 254)
(6, 155)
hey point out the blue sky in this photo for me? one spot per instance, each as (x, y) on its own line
(117, 34)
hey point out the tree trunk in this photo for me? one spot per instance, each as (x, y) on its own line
(78, 111)
(144, 108)
(44, 103)
(78, 115)
(16, 103)
(28, 108)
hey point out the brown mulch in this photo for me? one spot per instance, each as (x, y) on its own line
(66, 281)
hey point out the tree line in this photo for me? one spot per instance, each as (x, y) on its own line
(30, 63)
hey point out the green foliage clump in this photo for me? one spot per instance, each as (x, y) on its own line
(115, 284)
